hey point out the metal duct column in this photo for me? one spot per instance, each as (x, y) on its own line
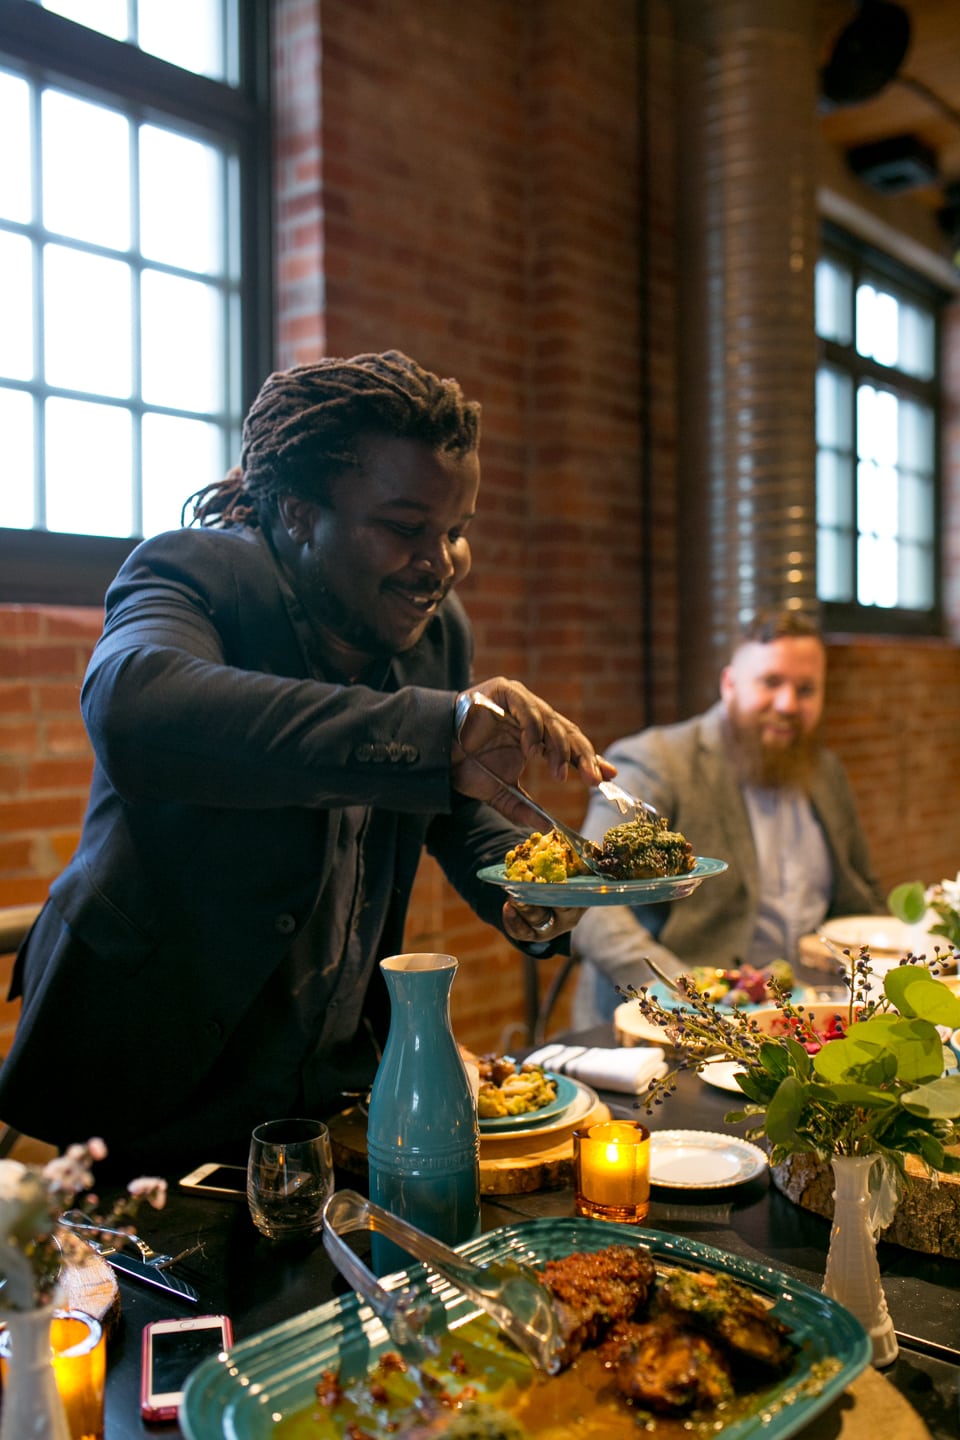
(748, 244)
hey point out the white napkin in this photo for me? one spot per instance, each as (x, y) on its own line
(628, 1068)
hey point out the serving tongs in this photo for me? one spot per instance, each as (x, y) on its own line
(584, 848)
(511, 1293)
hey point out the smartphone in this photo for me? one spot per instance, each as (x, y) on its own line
(227, 1181)
(171, 1349)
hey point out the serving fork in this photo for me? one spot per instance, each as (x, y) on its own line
(82, 1225)
(584, 848)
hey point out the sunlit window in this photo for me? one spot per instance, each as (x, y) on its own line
(127, 346)
(877, 404)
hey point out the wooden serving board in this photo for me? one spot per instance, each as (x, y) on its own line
(514, 1166)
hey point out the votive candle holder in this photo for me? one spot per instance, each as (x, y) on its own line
(611, 1167)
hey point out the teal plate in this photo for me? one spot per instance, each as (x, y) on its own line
(567, 1092)
(581, 890)
(267, 1379)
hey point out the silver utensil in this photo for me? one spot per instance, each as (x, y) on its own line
(624, 801)
(511, 1293)
(584, 848)
(81, 1224)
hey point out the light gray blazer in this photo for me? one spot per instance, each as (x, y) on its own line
(683, 770)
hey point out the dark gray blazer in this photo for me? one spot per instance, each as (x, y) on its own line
(222, 752)
(683, 771)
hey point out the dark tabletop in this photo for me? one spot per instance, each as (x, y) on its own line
(258, 1282)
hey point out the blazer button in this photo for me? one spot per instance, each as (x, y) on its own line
(214, 1029)
(285, 924)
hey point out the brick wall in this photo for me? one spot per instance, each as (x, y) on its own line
(490, 188)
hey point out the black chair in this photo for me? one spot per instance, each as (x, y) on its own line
(539, 1008)
(15, 921)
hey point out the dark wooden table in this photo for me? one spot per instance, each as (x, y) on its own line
(259, 1283)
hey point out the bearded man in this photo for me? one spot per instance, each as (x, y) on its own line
(747, 782)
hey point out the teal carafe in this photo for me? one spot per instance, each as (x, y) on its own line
(423, 1145)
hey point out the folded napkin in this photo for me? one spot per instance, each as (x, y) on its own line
(628, 1069)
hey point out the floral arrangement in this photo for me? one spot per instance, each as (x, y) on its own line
(31, 1200)
(876, 1084)
(910, 902)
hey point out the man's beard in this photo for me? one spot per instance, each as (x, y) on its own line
(791, 767)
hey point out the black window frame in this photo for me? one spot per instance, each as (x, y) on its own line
(867, 264)
(47, 567)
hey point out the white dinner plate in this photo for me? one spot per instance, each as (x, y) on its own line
(720, 1073)
(702, 1160)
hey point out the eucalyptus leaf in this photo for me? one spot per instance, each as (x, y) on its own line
(915, 991)
(855, 1060)
(940, 1099)
(908, 902)
(914, 1043)
(785, 1111)
(867, 1097)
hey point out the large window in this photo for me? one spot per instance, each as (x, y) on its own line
(878, 561)
(134, 272)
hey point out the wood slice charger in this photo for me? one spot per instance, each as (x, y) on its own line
(515, 1165)
(89, 1283)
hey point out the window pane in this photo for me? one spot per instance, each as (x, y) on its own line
(179, 457)
(876, 571)
(89, 464)
(86, 322)
(182, 343)
(16, 307)
(877, 431)
(86, 171)
(916, 577)
(834, 286)
(916, 507)
(834, 490)
(916, 436)
(107, 16)
(188, 33)
(917, 336)
(877, 500)
(15, 149)
(834, 580)
(834, 416)
(181, 192)
(877, 325)
(16, 427)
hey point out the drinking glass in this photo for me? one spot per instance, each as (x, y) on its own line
(289, 1177)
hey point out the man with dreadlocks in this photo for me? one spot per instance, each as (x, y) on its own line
(281, 708)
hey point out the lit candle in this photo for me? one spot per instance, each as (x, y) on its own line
(611, 1162)
(80, 1367)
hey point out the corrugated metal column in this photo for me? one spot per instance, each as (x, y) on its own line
(748, 238)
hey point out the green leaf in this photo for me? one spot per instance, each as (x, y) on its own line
(855, 1059)
(939, 1100)
(785, 1110)
(915, 991)
(867, 1097)
(914, 1043)
(908, 902)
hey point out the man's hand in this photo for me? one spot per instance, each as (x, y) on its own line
(503, 723)
(533, 924)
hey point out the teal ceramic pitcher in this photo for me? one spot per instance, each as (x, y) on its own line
(423, 1144)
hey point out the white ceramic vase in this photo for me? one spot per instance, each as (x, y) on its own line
(853, 1275)
(32, 1408)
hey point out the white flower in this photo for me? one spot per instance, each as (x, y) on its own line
(950, 892)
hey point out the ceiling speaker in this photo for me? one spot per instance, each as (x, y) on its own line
(867, 54)
(893, 166)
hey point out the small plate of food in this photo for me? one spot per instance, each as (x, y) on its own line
(643, 863)
(516, 1096)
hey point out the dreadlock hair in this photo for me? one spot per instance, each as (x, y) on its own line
(771, 624)
(302, 430)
